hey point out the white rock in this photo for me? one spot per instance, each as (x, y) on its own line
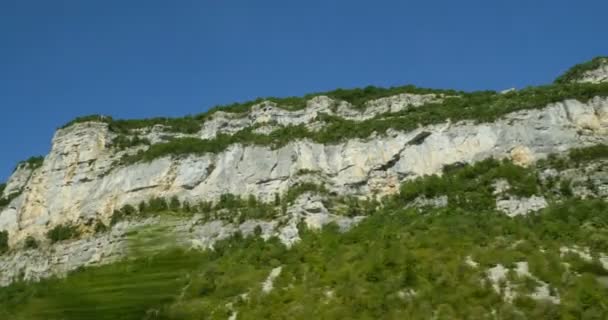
(78, 180)
(268, 284)
(521, 206)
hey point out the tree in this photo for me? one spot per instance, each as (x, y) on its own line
(3, 241)
(31, 243)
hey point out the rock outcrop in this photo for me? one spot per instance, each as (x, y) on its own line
(597, 75)
(79, 180)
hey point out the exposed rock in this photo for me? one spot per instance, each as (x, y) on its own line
(521, 206)
(542, 292)
(423, 202)
(18, 180)
(196, 233)
(583, 253)
(501, 284)
(268, 284)
(268, 113)
(78, 180)
(598, 75)
(498, 278)
(500, 186)
(604, 260)
(522, 156)
(470, 262)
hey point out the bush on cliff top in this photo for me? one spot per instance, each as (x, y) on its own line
(579, 70)
(483, 106)
(192, 124)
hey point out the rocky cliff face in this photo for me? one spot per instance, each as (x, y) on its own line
(82, 181)
(79, 181)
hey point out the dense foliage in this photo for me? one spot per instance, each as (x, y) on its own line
(63, 232)
(399, 263)
(2, 187)
(481, 106)
(579, 70)
(229, 207)
(579, 155)
(31, 243)
(32, 163)
(3, 241)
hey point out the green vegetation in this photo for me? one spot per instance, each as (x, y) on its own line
(192, 124)
(471, 187)
(575, 157)
(186, 124)
(482, 106)
(366, 273)
(399, 263)
(31, 243)
(579, 70)
(580, 155)
(2, 187)
(229, 207)
(4, 201)
(32, 163)
(123, 141)
(63, 232)
(3, 241)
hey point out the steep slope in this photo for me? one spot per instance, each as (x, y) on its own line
(182, 193)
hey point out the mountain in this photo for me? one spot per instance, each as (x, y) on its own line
(390, 203)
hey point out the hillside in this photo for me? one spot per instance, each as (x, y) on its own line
(398, 203)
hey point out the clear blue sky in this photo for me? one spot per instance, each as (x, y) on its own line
(133, 59)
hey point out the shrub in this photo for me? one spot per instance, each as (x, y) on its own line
(4, 201)
(156, 205)
(31, 243)
(100, 227)
(63, 232)
(579, 70)
(3, 241)
(123, 141)
(579, 155)
(565, 189)
(175, 204)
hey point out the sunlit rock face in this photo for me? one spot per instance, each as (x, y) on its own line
(80, 180)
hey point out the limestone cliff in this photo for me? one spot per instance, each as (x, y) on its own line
(85, 179)
(79, 180)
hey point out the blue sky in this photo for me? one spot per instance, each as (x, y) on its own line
(133, 59)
